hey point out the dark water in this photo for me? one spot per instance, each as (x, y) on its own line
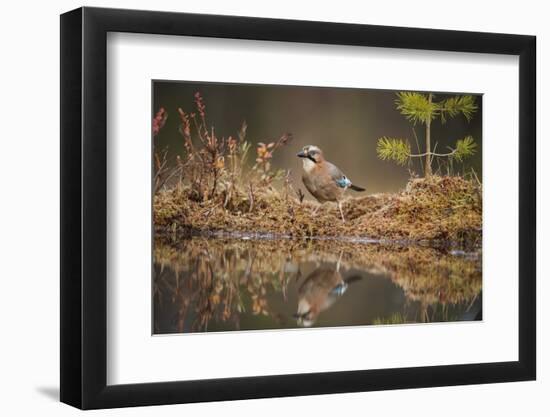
(202, 285)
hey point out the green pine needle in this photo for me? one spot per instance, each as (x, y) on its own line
(393, 149)
(464, 148)
(415, 107)
(451, 107)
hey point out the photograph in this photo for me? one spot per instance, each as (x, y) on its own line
(281, 207)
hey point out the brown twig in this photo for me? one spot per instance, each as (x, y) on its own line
(250, 197)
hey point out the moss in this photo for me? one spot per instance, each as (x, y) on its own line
(444, 210)
(437, 208)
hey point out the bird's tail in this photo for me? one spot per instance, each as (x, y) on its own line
(356, 188)
(353, 278)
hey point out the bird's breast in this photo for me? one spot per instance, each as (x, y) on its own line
(308, 165)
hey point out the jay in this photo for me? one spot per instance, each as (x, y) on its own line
(319, 291)
(323, 179)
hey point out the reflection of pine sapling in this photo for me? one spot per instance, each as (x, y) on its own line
(421, 108)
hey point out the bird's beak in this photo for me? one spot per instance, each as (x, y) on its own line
(301, 154)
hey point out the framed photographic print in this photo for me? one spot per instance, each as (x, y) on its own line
(256, 208)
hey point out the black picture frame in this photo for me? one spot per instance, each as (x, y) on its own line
(84, 207)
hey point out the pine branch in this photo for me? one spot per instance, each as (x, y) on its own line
(419, 155)
(393, 149)
(456, 105)
(415, 107)
(464, 148)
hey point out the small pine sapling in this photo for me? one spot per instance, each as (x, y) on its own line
(421, 108)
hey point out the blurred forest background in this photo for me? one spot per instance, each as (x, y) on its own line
(345, 123)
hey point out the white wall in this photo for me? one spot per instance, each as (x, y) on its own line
(29, 237)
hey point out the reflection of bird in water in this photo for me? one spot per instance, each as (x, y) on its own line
(319, 291)
(324, 180)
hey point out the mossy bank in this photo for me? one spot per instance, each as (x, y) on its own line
(435, 210)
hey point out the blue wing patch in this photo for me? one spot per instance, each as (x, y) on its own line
(340, 289)
(343, 182)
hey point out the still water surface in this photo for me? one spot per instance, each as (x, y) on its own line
(209, 285)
